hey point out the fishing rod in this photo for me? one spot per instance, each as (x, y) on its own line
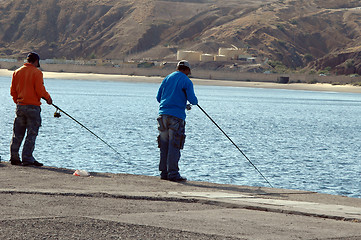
(234, 145)
(57, 115)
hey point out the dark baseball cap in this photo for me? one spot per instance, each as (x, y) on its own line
(32, 57)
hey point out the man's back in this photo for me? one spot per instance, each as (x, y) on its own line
(27, 86)
(173, 94)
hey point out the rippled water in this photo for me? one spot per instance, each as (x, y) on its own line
(298, 139)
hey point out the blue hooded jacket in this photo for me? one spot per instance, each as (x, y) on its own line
(173, 94)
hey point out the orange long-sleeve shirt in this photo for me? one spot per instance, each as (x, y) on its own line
(27, 86)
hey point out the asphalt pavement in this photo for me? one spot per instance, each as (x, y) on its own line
(52, 203)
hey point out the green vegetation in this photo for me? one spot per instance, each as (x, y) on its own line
(280, 27)
(350, 63)
(328, 69)
(294, 22)
(282, 43)
(312, 72)
(303, 71)
(337, 83)
(313, 81)
(325, 71)
(357, 82)
(295, 81)
(278, 66)
(13, 68)
(53, 45)
(308, 57)
(145, 65)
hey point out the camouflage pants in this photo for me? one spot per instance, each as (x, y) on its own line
(27, 121)
(170, 141)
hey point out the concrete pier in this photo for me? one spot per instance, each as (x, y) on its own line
(52, 203)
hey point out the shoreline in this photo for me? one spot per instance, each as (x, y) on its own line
(228, 83)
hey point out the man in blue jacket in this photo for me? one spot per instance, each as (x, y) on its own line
(172, 96)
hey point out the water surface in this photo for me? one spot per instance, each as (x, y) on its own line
(298, 139)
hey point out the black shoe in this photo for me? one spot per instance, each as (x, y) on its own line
(15, 162)
(163, 178)
(35, 163)
(178, 179)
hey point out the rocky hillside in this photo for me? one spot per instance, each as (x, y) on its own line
(318, 34)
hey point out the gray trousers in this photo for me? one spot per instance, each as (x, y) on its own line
(27, 121)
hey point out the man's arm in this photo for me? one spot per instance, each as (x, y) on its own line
(159, 94)
(191, 96)
(13, 91)
(40, 89)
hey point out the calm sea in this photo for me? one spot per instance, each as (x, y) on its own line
(298, 139)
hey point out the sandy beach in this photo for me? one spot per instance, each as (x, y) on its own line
(213, 82)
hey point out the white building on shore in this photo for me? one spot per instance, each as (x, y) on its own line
(224, 54)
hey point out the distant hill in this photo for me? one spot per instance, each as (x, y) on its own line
(317, 34)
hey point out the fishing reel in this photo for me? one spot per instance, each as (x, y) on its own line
(189, 107)
(57, 113)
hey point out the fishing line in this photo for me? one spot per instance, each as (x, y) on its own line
(57, 115)
(235, 145)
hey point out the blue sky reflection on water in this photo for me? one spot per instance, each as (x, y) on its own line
(298, 139)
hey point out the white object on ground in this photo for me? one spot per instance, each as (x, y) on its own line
(81, 173)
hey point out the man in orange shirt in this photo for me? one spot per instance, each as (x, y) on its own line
(27, 88)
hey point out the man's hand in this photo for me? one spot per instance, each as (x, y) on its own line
(189, 107)
(49, 101)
